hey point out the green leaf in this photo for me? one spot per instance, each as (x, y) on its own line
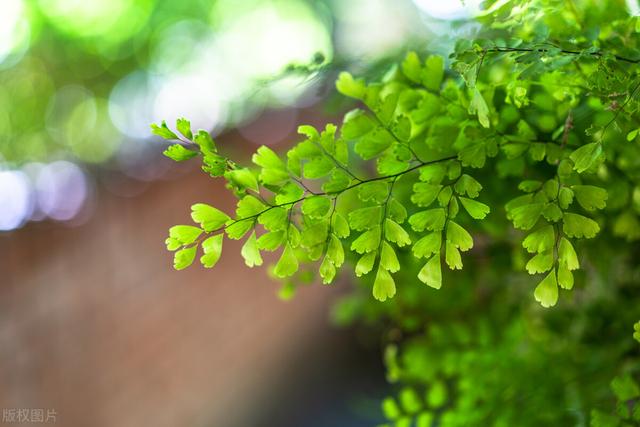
(575, 225)
(178, 153)
(271, 241)
(318, 167)
(410, 401)
(431, 273)
(184, 127)
(434, 174)
(552, 212)
(275, 218)
(567, 255)
(590, 197)
(388, 259)
(546, 292)
(205, 142)
(373, 143)
(529, 185)
(365, 218)
(367, 241)
(459, 237)
(452, 256)
(428, 245)
(565, 277)
(479, 106)
(185, 234)
(540, 240)
(625, 388)
(243, 179)
(437, 394)
(526, 216)
(395, 233)
(376, 191)
(184, 258)
(586, 156)
(249, 206)
(383, 287)
(365, 264)
(431, 219)
(212, 248)
(467, 185)
(356, 124)
(335, 251)
(340, 226)
(208, 217)
(274, 171)
(250, 251)
(424, 194)
(565, 197)
(476, 209)
(473, 155)
(327, 271)
(163, 131)
(350, 87)
(411, 67)
(289, 193)
(316, 206)
(287, 264)
(390, 409)
(238, 229)
(433, 72)
(540, 263)
(397, 211)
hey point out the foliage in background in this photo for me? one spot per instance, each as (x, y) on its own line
(523, 151)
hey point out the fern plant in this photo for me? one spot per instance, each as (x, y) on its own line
(523, 145)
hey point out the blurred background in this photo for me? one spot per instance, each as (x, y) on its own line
(94, 323)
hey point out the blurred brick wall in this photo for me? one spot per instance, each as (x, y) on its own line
(95, 324)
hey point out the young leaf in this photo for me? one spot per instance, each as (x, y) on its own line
(212, 248)
(365, 264)
(540, 240)
(208, 217)
(565, 277)
(383, 287)
(367, 241)
(243, 179)
(184, 127)
(479, 106)
(429, 244)
(476, 209)
(316, 206)
(575, 225)
(271, 241)
(424, 194)
(185, 234)
(287, 264)
(540, 263)
(452, 256)
(163, 131)
(411, 67)
(546, 293)
(178, 153)
(590, 197)
(586, 156)
(340, 226)
(184, 257)
(432, 220)
(395, 233)
(433, 72)
(567, 255)
(431, 273)
(467, 185)
(205, 142)
(327, 271)
(525, 217)
(350, 87)
(250, 251)
(459, 237)
(388, 259)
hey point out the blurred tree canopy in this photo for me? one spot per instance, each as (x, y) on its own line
(522, 150)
